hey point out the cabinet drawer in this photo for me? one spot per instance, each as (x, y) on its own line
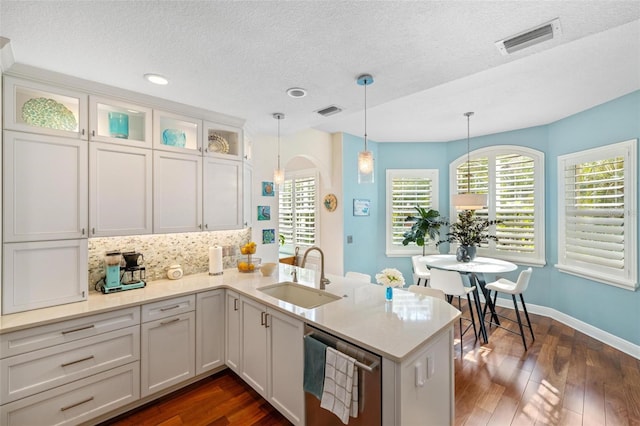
(167, 308)
(78, 401)
(27, 374)
(44, 336)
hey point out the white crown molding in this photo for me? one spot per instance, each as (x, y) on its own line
(6, 54)
(581, 326)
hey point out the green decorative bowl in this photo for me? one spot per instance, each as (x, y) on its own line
(44, 112)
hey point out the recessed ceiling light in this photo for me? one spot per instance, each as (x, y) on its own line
(296, 92)
(156, 79)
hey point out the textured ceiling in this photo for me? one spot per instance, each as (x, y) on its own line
(431, 60)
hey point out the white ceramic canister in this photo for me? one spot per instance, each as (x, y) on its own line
(174, 272)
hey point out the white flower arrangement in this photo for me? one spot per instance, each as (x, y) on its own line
(391, 277)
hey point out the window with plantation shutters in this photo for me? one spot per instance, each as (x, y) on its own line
(512, 177)
(297, 211)
(406, 189)
(597, 223)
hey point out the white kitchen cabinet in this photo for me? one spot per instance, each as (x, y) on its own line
(285, 355)
(272, 357)
(247, 195)
(43, 273)
(47, 368)
(45, 181)
(39, 108)
(177, 192)
(254, 345)
(222, 194)
(119, 122)
(222, 141)
(71, 371)
(120, 190)
(177, 133)
(210, 322)
(78, 401)
(232, 331)
(167, 345)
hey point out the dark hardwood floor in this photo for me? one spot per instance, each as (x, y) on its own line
(565, 378)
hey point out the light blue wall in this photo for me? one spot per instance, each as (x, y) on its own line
(608, 308)
(359, 255)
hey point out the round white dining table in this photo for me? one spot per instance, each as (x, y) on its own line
(475, 269)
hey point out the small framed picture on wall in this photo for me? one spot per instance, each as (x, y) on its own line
(264, 212)
(361, 207)
(267, 189)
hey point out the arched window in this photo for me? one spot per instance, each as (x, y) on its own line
(513, 179)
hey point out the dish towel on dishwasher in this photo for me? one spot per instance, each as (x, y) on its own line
(340, 385)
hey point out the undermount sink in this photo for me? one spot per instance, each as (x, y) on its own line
(299, 295)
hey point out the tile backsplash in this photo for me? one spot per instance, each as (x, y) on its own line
(190, 250)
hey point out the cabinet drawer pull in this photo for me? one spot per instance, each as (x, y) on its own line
(235, 304)
(68, 407)
(169, 321)
(169, 308)
(79, 329)
(262, 318)
(266, 320)
(66, 364)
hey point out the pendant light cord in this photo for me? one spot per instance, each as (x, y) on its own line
(468, 115)
(365, 115)
(279, 143)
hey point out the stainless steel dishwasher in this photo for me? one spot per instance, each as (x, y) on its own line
(369, 385)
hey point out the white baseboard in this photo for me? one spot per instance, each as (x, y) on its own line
(591, 331)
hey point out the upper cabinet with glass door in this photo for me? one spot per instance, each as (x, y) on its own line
(222, 141)
(177, 133)
(119, 122)
(38, 108)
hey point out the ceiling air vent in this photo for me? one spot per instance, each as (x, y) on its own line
(330, 110)
(544, 32)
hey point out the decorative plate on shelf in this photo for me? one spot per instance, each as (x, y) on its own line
(44, 112)
(218, 144)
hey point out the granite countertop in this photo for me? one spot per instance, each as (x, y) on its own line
(393, 330)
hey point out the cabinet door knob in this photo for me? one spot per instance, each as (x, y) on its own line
(206, 226)
(263, 318)
(82, 231)
(93, 133)
(82, 132)
(235, 304)
(93, 230)
(266, 320)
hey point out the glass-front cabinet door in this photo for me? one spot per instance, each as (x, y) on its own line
(177, 133)
(38, 108)
(119, 122)
(222, 141)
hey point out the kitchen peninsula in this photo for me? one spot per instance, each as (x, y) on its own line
(211, 316)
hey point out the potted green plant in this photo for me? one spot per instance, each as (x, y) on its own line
(426, 227)
(469, 232)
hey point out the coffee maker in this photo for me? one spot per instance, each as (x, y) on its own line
(124, 271)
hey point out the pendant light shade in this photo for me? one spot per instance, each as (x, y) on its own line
(469, 201)
(365, 158)
(278, 173)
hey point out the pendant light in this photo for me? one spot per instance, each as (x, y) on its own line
(365, 158)
(278, 174)
(469, 201)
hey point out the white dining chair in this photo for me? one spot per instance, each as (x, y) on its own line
(506, 286)
(420, 271)
(427, 291)
(358, 276)
(451, 284)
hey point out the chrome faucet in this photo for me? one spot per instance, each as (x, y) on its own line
(323, 281)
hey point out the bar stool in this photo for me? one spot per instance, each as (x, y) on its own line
(420, 271)
(450, 282)
(358, 276)
(509, 287)
(427, 291)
